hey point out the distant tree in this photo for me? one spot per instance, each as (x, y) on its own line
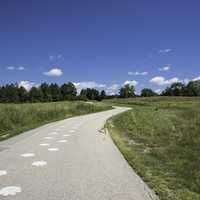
(55, 92)
(176, 89)
(83, 92)
(95, 94)
(90, 93)
(3, 97)
(112, 96)
(83, 95)
(35, 95)
(146, 92)
(23, 94)
(68, 91)
(11, 93)
(166, 92)
(46, 92)
(127, 91)
(103, 94)
(193, 88)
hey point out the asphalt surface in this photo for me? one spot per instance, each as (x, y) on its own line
(68, 160)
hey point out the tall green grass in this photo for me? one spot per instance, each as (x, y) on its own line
(161, 141)
(16, 118)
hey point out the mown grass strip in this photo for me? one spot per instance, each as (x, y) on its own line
(161, 141)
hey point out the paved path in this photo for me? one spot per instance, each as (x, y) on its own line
(68, 160)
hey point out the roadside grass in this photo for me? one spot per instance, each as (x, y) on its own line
(165, 101)
(160, 138)
(17, 118)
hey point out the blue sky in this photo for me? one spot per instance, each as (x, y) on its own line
(101, 44)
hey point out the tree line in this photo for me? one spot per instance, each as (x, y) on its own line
(176, 89)
(180, 89)
(13, 93)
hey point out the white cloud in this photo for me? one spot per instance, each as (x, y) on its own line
(165, 51)
(26, 84)
(160, 80)
(113, 89)
(51, 58)
(88, 84)
(186, 81)
(21, 68)
(114, 86)
(196, 78)
(110, 89)
(59, 56)
(165, 68)
(11, 68)
(138, 73)
(158, 91)
(54, 72)
(133, 82)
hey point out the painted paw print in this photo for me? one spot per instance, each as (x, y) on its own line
(10, 191)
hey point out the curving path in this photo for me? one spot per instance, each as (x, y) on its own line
(68, 160)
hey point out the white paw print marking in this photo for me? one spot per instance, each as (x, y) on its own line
(53, 149)
(66, 135)
(10, 190)
(44, 144)
(39, 163)
(62, 141)
(3, 172)
(26, 155)
(49, 138)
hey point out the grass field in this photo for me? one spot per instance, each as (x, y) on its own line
(16, 118)
(160, 138)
